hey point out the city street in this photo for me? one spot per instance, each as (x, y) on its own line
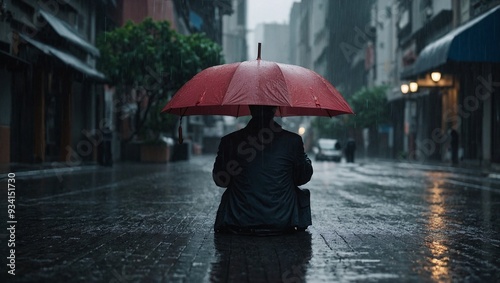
(372, 221)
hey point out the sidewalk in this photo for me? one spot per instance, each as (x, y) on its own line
(464, 167)
(24, 169)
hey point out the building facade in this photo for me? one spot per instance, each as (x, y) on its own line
(350, 36)
(56, 107)
(449, 49)
(234, 32)
(275, 39)
(308, 45)
(294, 23)
(50, 86)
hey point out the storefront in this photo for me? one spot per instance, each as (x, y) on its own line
(462, 68)
(11, 70)
(63, 100)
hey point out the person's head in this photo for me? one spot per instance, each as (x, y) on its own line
(262, 111)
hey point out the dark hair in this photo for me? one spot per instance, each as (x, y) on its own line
(264, 111)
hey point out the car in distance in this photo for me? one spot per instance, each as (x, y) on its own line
(329, 149)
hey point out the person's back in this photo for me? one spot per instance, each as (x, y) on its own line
(261, 166)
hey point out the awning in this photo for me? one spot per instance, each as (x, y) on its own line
(475, 41)
(66, 58)
(65, 31)
(11, 60)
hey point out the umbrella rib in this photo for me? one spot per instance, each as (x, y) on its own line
(185, 110)
(230, 82)
(284, 80)
(314, 96)
(336, 98)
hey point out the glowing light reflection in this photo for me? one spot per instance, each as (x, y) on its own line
(436, 226)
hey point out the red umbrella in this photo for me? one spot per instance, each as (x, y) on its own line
(228, 90)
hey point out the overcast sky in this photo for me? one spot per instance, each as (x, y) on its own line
(265, 11)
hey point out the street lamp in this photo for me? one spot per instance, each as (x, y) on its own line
(435, 76)
(413, 87)
(405, 88)
(302, 130)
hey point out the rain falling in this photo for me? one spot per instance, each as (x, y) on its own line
(250, 140)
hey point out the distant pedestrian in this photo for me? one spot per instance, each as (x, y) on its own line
(350, 150)
(262, 166)
(454, 145)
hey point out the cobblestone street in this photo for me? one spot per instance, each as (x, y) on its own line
(372, 221)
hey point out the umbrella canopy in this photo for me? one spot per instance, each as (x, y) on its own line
(228, 90)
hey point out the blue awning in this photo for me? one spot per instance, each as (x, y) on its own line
(66, 58)
(475, 41)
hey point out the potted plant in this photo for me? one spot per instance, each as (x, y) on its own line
(156, 134)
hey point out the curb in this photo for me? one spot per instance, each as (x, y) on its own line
(61, 170)
(478, 171)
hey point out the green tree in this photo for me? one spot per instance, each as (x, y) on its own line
(154, 61)
(332, 128)
(370, 106)
(372, 111)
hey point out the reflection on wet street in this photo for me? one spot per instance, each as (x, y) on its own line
(375, 221)
(412, 222)
(261, 259)
(436, 226)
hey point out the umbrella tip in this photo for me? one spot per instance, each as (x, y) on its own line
(258, 51)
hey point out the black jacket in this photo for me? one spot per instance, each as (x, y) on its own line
(261, 167)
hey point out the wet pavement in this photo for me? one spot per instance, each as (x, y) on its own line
(372, 221)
